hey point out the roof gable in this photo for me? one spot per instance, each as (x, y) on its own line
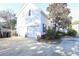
(27, 7)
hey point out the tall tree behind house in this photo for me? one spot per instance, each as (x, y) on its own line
(59, 13)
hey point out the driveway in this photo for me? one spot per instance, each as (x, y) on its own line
(16, 46)
(24, 47)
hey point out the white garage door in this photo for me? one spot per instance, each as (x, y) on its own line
(31, 31)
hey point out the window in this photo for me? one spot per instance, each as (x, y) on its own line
(44, 28)
(29, 13)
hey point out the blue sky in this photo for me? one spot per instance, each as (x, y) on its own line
(15, 7)
(74, 7)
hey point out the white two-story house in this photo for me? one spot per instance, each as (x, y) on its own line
(31, 21)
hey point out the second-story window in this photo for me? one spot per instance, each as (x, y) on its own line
(29, 13)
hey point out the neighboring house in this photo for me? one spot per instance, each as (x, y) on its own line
(4, 31)
(31, 21)
(75, 25)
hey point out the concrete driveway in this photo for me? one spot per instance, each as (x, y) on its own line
(24, 47)
(16, 46)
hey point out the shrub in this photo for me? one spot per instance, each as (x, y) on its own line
(52, 35)
(49, 34)
(59, 34)
(71, 32)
